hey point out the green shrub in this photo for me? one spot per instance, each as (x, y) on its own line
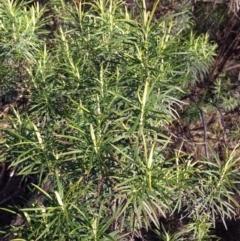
(101, 93)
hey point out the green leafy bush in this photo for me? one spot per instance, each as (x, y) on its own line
(102, 93)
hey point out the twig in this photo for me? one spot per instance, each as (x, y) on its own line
(222, 122)
(191, 97)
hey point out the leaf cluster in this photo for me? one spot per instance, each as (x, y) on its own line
(101, 95)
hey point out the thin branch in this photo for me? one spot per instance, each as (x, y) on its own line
(191, 97)
(222, 122)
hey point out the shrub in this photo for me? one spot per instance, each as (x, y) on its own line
(102, 91)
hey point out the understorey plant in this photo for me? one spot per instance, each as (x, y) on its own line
(102, 93)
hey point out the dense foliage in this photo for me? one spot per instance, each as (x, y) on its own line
(103, 86)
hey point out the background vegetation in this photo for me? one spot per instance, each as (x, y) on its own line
(97, 94)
